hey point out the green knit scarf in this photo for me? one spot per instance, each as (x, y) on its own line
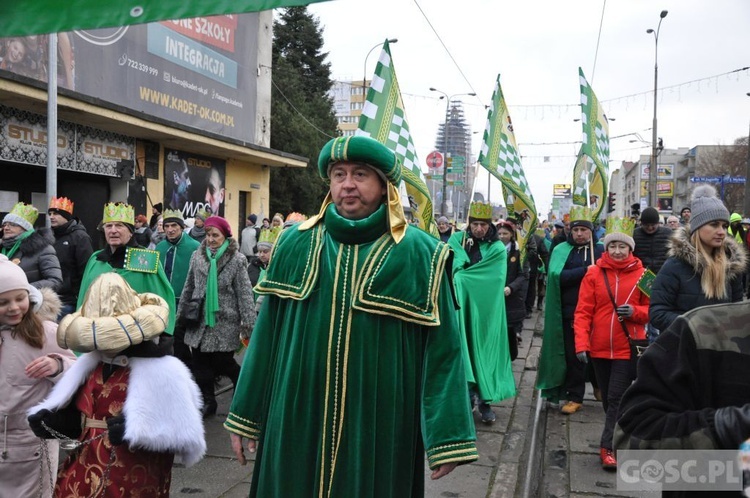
(212, 287)
(20, 238)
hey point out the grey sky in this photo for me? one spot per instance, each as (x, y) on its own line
(537, 47)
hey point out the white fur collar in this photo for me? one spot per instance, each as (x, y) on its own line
(162, 405)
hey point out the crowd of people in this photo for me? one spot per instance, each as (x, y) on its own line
(369, 342)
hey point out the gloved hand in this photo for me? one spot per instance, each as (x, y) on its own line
(582, 357)
(732, 425)
(624, 311)
(116, 427)
(35, 423)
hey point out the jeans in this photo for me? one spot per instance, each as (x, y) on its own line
(614, 377)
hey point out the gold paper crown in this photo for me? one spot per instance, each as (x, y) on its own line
(203, 213)
(171, 213)
(620, 225)
(580, 213)
(269, 235)
(62, 204)
(480, 211)
(295, 217)
(23, 215)
(118, 211)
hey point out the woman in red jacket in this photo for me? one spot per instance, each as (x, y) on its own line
(610, 301)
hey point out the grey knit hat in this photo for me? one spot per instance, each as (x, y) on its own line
(706, 207)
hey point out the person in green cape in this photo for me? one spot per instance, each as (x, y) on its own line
(138, 266)
(561, 374)
(479, 269)
(354, 368)
(175, 252)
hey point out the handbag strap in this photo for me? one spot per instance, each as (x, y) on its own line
(612, 298)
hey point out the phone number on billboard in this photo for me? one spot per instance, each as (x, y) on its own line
(139, 66)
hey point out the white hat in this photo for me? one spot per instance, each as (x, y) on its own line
(12, 276)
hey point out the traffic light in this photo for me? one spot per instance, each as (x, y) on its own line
(635, 210)
(611, 202)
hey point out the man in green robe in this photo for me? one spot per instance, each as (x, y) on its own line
(354, 368)
(175, 252)
(479, 268)
(561, 375)
(139, 267)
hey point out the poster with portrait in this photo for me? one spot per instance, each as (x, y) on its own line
(193, 182)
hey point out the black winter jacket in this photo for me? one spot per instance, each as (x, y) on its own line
(38, 259)
(517, 278)
(73, 248)
(573, 272)
(652, 249)
(677, 287)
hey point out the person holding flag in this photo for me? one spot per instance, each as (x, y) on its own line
(561, 374)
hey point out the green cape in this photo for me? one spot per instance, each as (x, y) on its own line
(552, 369)
(481, 319)
(186, 246)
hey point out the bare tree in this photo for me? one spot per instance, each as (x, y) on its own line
(728, 160)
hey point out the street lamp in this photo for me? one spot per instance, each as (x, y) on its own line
(364, 72)
(449, 98)
(653, 167)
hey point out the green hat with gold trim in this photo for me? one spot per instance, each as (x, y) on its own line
(118, 212)
(480, 211)
(620, 230)
(23, 215)
(580, 216)
(360, 149)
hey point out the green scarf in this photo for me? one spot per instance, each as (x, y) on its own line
(212, 287)
(21, 237)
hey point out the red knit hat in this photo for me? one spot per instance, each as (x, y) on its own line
(220, 224)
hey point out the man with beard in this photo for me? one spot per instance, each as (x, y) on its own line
(561, 374)
(73, 247)
(479, 271)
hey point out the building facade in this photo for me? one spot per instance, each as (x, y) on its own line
(174, 112)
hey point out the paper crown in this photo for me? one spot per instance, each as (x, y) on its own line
(172, 213)
(62, 204)
(295, 217)
(269, 235)
(580, 213)
(202, 214)
(23, 215)
(279, 216)
(480, 211)
(118, 211)
(620, 225)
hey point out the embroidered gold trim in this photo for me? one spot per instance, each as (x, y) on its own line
(310, 276)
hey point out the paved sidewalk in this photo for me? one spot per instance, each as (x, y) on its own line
(564, 463)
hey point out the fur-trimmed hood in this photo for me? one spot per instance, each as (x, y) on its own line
(682, 248)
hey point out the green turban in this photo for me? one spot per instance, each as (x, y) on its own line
(360, 149)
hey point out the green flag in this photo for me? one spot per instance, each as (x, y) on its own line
(34, 17)
(593, 159)
(384, 119)
(499, 155)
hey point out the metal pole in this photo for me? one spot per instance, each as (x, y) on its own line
(364, 72)
(746, 208)
(444, 204)
(51, 121)
(654, 167)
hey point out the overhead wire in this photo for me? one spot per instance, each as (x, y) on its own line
(598, 39)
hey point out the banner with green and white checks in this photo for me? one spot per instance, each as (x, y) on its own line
(595, 145)
(499, 155)
(384, 119)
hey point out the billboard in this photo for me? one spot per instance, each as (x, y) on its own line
(193, 182)
(197, 72)
(561, 190)
(665, 171)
